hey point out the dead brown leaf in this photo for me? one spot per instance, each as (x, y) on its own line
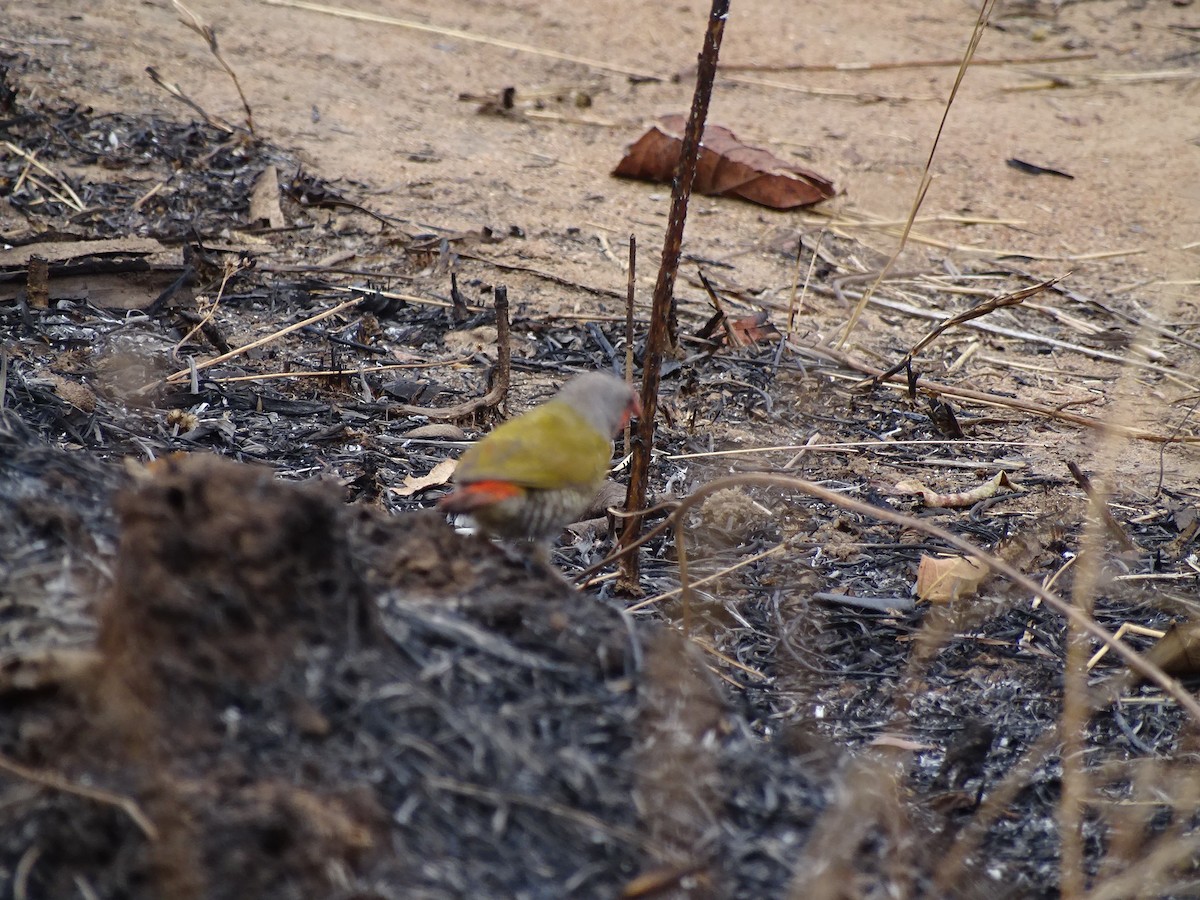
(750, 330)
(946, 579)
(439, 475)
(726, 167)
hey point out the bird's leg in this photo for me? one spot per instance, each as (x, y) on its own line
(537, 560)
(533, 556)
(539, 552)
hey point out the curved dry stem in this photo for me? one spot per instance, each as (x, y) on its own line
(1135, 660)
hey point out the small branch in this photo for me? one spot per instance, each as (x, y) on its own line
(980, 309)
(664, 328)
(177, 92)
(630, 297)
(176, 377)
(937, 389)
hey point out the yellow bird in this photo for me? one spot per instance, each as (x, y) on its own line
(539, 472)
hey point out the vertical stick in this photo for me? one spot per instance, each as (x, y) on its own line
(630, 289)
(503, 346)
(664, 327)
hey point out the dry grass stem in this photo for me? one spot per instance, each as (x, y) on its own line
(99, 795)
(206, 31)
(458, 34)
(851, 446)
(66, 196)
(985, 11)
(176, 377)
(990, 305)
(937, 389)
(1135, 660)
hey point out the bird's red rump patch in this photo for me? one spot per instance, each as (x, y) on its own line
(481, 493)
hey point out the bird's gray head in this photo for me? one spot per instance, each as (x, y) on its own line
(604, 400)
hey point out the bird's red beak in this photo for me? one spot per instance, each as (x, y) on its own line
(633, 410)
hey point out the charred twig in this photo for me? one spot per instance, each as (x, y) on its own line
(630, 294)
(1099, 504)
(664, 329)
(37, 283)
(309, 191)
(345, 342)
(730, 338)
(624, 549)
(158, 303)
(552, 277)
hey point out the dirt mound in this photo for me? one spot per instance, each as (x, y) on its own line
(295, 698)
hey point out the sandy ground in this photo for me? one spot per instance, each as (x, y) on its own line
(379, 103)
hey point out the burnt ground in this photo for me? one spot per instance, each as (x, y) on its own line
(237, 659)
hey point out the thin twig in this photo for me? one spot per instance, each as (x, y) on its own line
(980, 309)
(981, 22)
(98, 795)
(852, 447)
(1017, 334)
(176, 377)
(630, 298)
(937, 389)
(209, 34)
(177, 92)
(1100, 506)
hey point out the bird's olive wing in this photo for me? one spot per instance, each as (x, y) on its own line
(549, 447)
